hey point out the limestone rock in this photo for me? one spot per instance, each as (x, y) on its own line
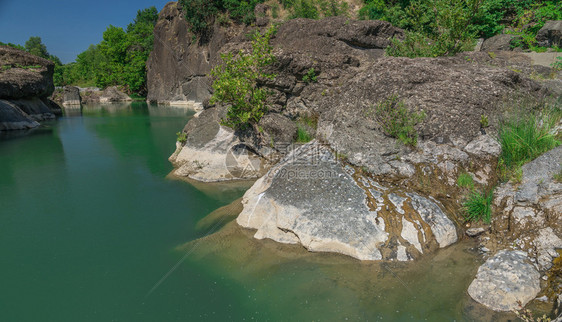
(213, 153)
(504, 281)
(13, 118)
(312, 199)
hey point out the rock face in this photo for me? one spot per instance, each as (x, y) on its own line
(528, 215)
(498, 42)
(214, 153)
(178, 66)
(313, 199)
(550, 34)
(71, 96)
(25, 83)
(505, 281)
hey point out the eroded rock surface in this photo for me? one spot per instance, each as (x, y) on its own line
(25, 83)
(528, 215)
(213, 152)
(313, 199)
(506, 281)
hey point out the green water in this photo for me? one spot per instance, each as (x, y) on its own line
(89, 224)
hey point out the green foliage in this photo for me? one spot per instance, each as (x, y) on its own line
(465, 180)
(181, 137)
(119, 59)
(397, 121)
(524, 139)
(447, 35)
(316, 9)
(36, 47)
(200, 14)
(557, 64)
(235, 82)
(20, 47)
(478, 206)
(310, 76)
(302, 135)
(484, 123)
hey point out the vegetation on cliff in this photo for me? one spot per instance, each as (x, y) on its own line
(236, 82)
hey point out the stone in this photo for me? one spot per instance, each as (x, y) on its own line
(550, 34)
(476, 231)
(35, 80)
(498, 42)
(484, 146)
(13, 118)
(71, 96)
(311, 199)
(505, 281)
(212, 153)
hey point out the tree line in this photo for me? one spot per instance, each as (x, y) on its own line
(119, 59)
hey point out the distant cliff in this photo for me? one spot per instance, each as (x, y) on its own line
(25, 83)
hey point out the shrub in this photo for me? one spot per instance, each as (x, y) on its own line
(557, 64)
(235, 82)
(465, 180)
(310, 76)
(447, 36)
(397, 121)
(181, 137)
(523, 140)
(478, 206)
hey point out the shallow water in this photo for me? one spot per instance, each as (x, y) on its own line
(90, 224)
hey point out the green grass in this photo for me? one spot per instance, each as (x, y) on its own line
(397, 121)
(558, 176)
(302, 135)
(524, 139)
(465, 180)
(478, 206)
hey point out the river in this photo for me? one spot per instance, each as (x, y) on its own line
(92, 229)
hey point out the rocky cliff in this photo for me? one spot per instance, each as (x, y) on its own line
(25, 83)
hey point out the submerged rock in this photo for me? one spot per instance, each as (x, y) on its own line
(311, 198)
(505, 282)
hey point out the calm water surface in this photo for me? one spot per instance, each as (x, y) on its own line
(89, 224)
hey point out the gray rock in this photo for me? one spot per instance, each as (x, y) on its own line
(474, 232)
(71, 96)
(13, 118)
(35, 80)
(312, 199)
(498, 42)
(550, 34)
(504, 281)
(484, 146)
(213, 153)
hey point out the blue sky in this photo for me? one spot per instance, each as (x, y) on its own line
(66, 27)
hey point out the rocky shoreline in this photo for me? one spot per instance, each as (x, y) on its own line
(354, 190)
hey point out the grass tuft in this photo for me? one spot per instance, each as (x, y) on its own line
(524, 139)
(302, 135)
(465, 180)
(478, 206)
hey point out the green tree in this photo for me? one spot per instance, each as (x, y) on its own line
(36, 47)
(236, 82)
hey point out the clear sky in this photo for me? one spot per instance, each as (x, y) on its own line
(67, 27)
